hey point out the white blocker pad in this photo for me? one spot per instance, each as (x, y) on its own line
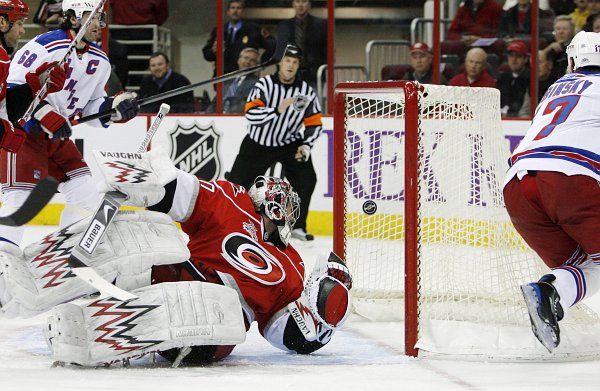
(135, 241)
(164, 316)
(140, 176)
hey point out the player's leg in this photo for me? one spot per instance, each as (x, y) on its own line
(76, 184)
(19, 174)
(252, 160)
(303, 179)
(536, 204)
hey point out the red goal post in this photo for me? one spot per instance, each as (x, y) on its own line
(420, 219)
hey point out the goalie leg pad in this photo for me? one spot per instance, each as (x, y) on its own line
(164, 316)
(40, 278)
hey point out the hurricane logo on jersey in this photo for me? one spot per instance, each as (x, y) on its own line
(252, 259)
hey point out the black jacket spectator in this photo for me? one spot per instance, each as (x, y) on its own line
(509, 22)
(513, 89)
(562, 7)
(236, 93)
(183, 103)
(314, 46)
(249, 35)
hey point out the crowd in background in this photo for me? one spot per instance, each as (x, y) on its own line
(486, 45)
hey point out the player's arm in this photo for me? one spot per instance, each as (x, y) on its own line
(308, 323)
(256, 110)
(124, 103)
(312, 124)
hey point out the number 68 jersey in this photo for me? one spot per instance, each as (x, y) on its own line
(565, 133)
(87, 73)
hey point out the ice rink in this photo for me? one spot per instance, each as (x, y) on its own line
(363, 356)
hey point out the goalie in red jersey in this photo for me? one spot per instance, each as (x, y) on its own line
(238, 247)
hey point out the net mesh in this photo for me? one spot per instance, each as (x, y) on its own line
(471, 260)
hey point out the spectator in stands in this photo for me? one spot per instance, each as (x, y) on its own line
(162, 78)
(48, 13)
(596, 24)
(309, 33)
(562, 7)
(237, 91)
(594, 7)
(475, 74)
(517, 20)
(564, 31)
(420, 61)
(475, 19)
(239, 34)
(514, 83)
(547, 73)
(580, 14)
(134, 12)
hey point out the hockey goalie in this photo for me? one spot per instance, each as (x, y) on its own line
(194, 303)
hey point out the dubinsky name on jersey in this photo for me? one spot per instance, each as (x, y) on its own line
(87, 73)
(563, 136)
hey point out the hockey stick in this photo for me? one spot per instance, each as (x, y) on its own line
(42, 91)
(39, 197)
(183, 89)
(98, 226)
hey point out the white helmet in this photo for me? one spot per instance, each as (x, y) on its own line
(279, 202)
(79, 7)
(583, 50)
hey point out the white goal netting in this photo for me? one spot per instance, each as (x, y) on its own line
(471, 260)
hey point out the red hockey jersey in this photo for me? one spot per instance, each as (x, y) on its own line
(226, 235)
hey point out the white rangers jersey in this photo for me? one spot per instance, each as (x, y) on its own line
(88, 72)
(564, 134)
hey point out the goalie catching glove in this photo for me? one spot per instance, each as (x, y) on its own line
(164, 316)
(140, 176)
(40, 277)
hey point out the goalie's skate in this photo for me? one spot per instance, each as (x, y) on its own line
(545, 311)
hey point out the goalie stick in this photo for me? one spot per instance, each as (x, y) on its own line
(39, 197)
(96, 229)
(184, 89)
(42, 91)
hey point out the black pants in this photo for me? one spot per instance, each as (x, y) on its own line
(254, 160)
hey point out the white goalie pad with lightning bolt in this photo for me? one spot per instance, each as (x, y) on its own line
(41, 278)
(164, 316)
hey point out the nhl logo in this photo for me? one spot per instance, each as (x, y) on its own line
(195, 149)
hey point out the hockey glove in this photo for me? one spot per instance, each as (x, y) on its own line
(47, 72)
(53, 123)
(302, 153)
(327, 291)
(125, 105)
(12, 138)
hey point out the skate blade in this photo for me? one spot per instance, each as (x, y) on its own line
(542, 331)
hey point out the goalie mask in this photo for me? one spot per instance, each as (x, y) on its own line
(279, 202)
(79, 7)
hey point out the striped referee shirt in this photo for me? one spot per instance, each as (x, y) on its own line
(267, 127)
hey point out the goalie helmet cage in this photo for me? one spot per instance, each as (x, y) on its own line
(420, 219)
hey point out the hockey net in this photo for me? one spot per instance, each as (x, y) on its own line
(463, 260)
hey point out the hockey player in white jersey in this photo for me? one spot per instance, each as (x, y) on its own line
(48, 149)
(552, 194)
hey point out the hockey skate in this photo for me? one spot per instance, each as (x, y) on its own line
(545, 310)
(301, 234)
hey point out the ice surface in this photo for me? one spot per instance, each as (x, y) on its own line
(365, 356)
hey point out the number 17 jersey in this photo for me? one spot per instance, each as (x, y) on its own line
(565, 133)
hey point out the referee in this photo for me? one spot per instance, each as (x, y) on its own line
(284, 121)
